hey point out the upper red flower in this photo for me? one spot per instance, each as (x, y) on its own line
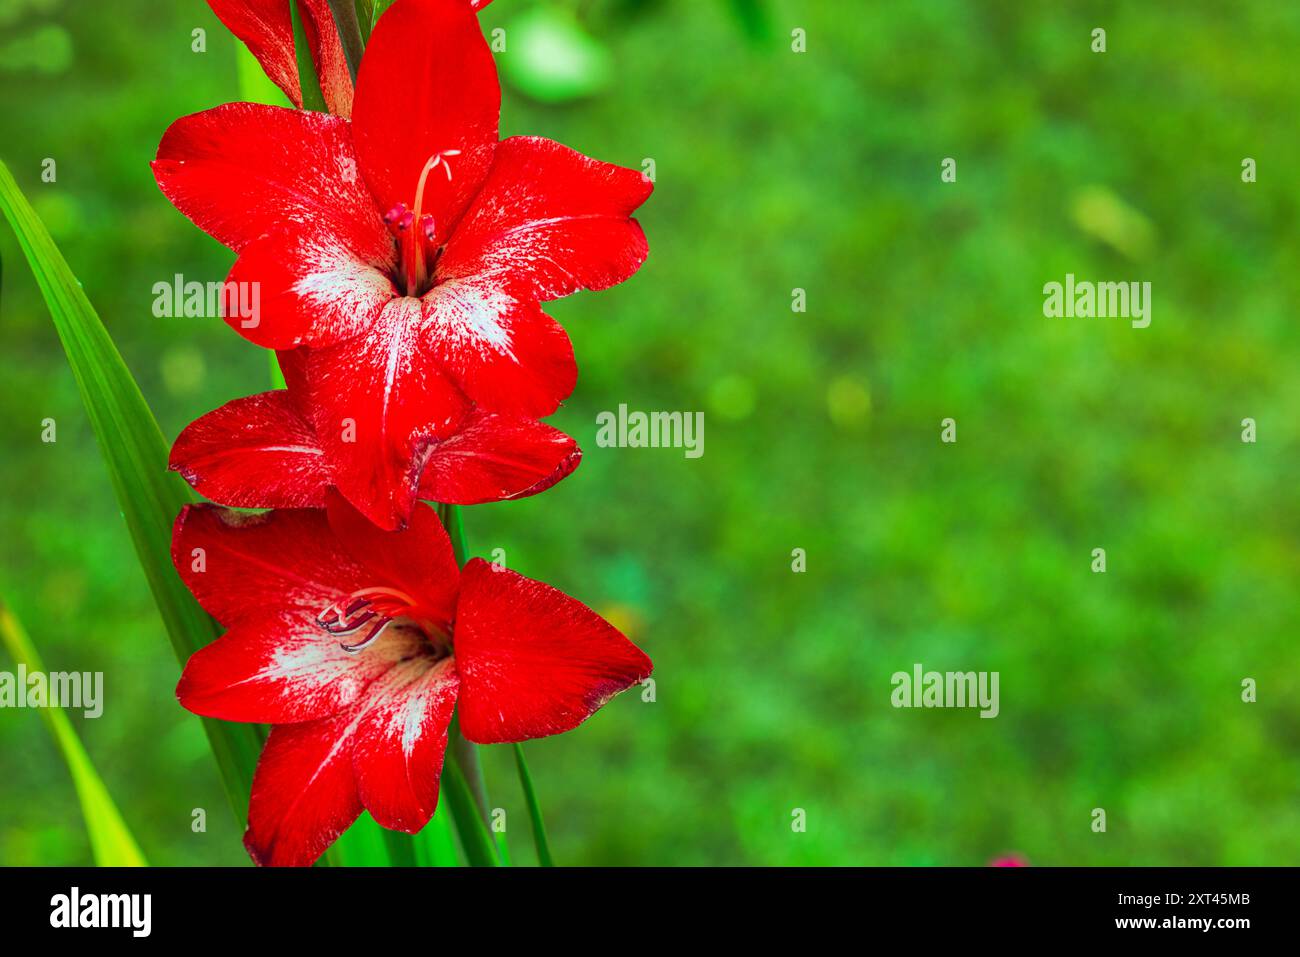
(262, 451)
(356, 643)
(408, 249)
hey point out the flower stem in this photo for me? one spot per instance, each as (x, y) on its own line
(451, 520)
(475, 839)
(400, 847)
(466, 755)
(312, 97)
(345, 18)
(461, 751)
(534, 809)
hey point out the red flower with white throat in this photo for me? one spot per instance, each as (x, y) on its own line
(356, 644)
(407, 249)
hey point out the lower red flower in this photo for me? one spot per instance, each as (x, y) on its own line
(356, 644)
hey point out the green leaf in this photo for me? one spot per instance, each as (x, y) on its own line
(312, 97)
(366, 844)
(534, 809)
(111, 842)
(469, 817)
(436, 844)
(348, 25)
(277, 374)
(475, 840)
(136, 455)
(368, 14)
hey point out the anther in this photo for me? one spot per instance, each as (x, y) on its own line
(365, 642)
(380, 605)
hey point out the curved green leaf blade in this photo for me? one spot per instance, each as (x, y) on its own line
(111, 841)
(136, 455)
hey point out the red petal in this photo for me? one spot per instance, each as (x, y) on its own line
(427, 84)
(532, 660)
(507, 355)
(293, 366)
(255, 452)
(418, 560)
(304, 792)
(243, 170)
(492, 458)
(327, 53)
(250, 566)
(284, 669)
(310, 288)
(378, 402)
(548, 222)
(266, 28)
(399, 742)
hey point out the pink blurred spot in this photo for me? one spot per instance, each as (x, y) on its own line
(1014, 859)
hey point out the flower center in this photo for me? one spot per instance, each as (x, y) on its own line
(415, 229)
(377, 607)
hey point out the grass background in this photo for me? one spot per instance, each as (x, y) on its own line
(775, 171)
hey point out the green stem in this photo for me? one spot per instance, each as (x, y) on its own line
(455, 525)
(401, 849)
(475, 839)
(312, 97)
(534, 809)
(465, 751)
(345, 18)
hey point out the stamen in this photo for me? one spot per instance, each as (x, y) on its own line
(345, 616)
(394, 214)
(338, 622)
(367, 641)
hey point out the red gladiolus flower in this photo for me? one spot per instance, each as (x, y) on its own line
(407, 249)
(262, 452)
(356, 644)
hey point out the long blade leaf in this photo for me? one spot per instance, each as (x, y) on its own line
(111, 841)
(475, 840)
(534, 809)
(136, 455)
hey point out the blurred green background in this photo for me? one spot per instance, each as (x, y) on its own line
(779, 170)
